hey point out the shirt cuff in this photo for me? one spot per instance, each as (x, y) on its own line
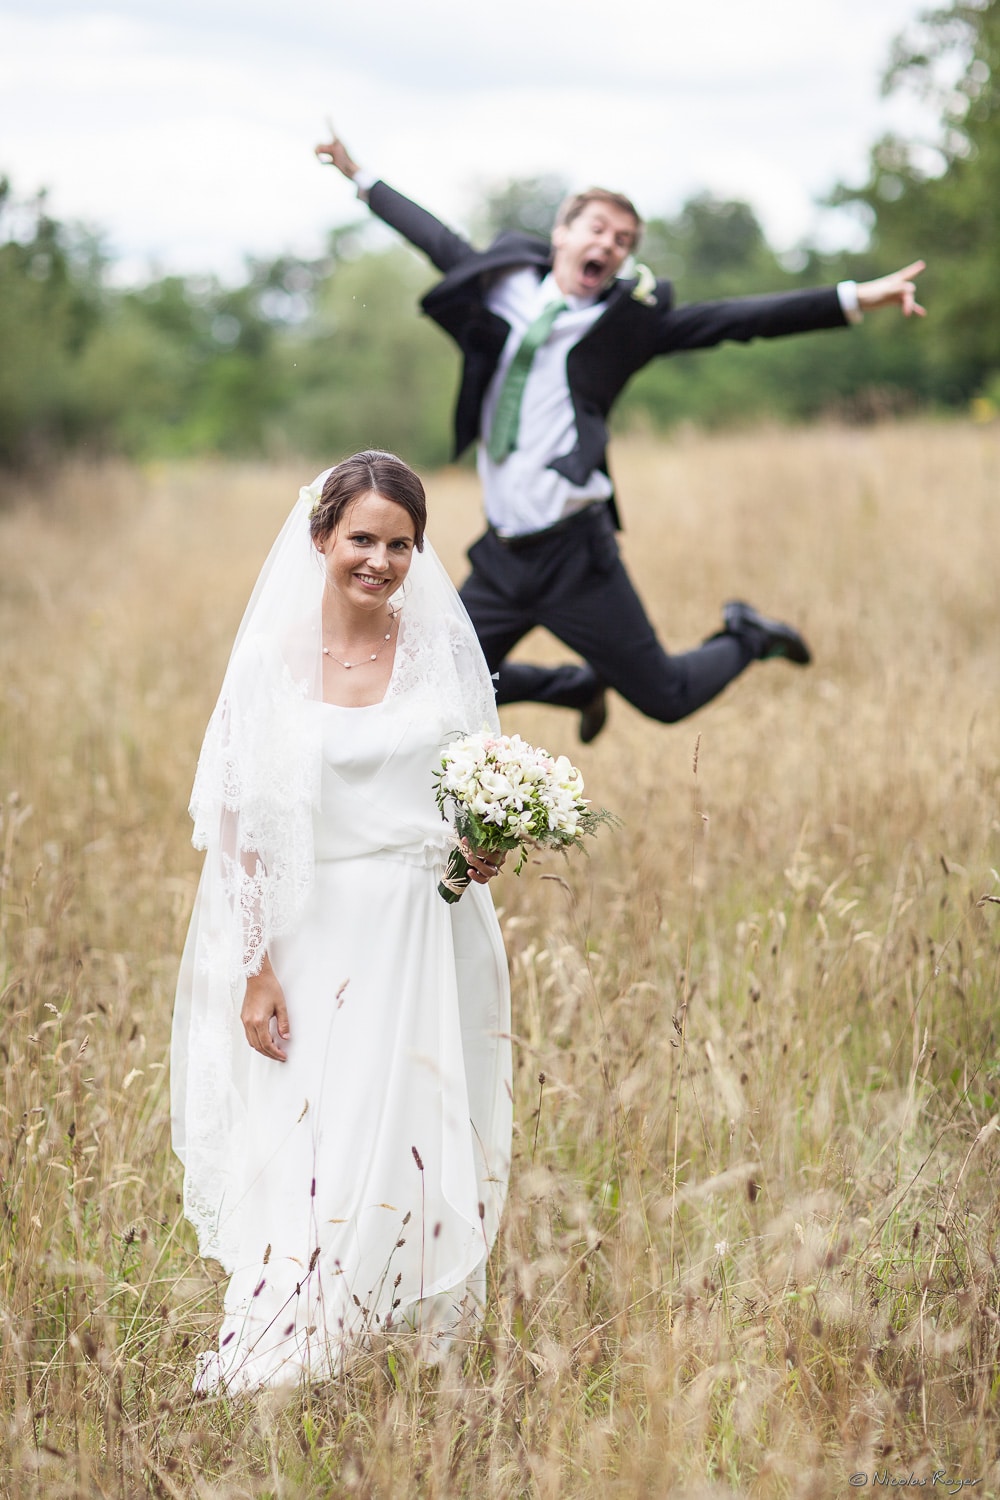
(847, 291)
(365, 181)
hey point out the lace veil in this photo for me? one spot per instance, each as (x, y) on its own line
(255, 792)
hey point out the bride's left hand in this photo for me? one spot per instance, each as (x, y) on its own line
(483, 863)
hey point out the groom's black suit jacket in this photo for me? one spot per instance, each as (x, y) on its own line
(624, 338)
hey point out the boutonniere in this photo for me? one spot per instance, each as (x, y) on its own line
(644, 289)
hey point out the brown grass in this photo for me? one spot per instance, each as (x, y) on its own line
(751, 1246)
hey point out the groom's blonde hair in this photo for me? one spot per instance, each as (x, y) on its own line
(573, 206)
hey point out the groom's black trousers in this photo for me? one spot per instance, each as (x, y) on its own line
(571, 580)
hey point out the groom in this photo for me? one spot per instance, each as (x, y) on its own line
(550, 334)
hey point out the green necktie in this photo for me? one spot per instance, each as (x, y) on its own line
(503, 432)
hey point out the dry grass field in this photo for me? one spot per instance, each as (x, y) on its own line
(751, 1247)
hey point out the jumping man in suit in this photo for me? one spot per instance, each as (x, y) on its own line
(549, 336)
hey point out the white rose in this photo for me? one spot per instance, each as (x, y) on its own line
(310, 495)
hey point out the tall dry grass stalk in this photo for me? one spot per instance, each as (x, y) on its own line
(751, 1245)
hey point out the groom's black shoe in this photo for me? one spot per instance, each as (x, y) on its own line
(593, 717)
(766, 638)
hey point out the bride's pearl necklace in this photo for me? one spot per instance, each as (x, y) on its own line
(347, 665)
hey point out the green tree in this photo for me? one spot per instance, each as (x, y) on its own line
(323, 357)
(365, 370)
(943, 197)
(717, 248)
(526, 203)
(50, 302)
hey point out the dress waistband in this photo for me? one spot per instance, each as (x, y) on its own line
(432, 854)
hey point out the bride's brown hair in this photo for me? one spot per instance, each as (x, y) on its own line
(371, 472)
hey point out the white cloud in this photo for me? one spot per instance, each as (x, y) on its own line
(185, 129)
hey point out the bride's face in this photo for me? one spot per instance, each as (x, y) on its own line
(367, 555)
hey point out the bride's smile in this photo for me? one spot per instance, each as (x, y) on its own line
(366, 557)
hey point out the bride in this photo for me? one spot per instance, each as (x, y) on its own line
(340, 1084)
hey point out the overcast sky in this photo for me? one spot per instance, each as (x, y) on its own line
(184, 128)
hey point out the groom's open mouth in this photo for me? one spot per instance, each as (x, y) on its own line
(593, 272)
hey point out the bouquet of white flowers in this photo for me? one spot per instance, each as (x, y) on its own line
(508, 794)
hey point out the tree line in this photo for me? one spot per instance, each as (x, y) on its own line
(317, 357)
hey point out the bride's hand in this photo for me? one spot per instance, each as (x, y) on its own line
(483, 863)
(263, 1000)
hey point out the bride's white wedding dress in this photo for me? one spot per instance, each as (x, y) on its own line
(371, 1166)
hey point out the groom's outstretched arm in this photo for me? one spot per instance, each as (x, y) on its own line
(443, 247)
(700, 325)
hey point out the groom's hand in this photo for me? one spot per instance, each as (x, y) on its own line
(897, 288)
(335, 152)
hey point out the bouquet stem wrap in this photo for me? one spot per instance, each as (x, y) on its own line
(456, 877)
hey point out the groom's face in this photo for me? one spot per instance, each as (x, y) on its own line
(591, 249)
